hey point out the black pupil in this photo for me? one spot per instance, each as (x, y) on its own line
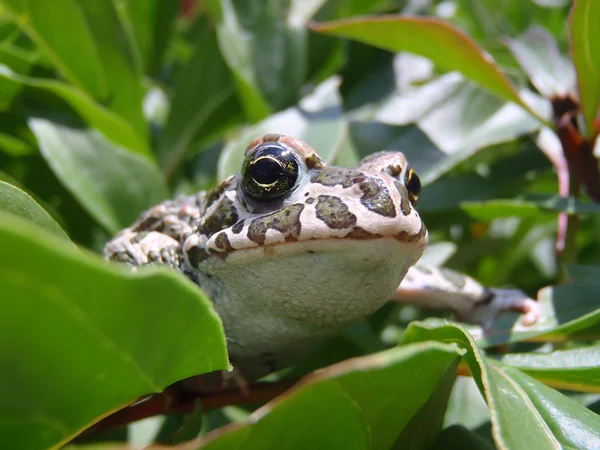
(266, 171)
(269, 173)
(414, 184)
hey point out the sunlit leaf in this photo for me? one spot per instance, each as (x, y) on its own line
(449, 48)
(550, 72)
(15, 201)
(110, 124)
(524, 413)
(95, 55)
(96, 337)
(577, 369)
(367, 401)
(113, 185)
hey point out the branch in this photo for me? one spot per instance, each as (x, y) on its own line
(176, 400)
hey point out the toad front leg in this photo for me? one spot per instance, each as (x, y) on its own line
(440, 288)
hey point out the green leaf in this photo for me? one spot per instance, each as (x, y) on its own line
(152, 22)
(367, 401)
(96, 337)
(18, 202)
(495, 209)
(110, 124)
(459, 119)
(236, 48)
(585, 52)
(576, 370)
(113, 185)
(263, 44)
(449, 48)
(525, 414)
(317, 120)
(539, 56)
(95, 55)
(20, 61)
(204, 100)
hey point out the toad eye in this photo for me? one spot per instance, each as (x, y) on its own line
(413, 185)
(269, 172)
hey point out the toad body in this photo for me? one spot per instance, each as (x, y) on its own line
(291, 250)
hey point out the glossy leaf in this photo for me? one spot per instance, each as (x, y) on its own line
(95, 55)
(459, 118)
(20, 61)
(449, 48)
(367, 401)
(539, 56)
(525, 414)
(576, 370)
(97, 336)
(236, 48)
(317, 120)
(494, 209)
(15, 201)
(110, 124)
(585, 52)
(203, 101)
(113, 185)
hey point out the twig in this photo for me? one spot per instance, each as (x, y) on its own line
(184, 401)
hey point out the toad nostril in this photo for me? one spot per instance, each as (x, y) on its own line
(358, 180)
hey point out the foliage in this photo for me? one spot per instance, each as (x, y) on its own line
(107, 107)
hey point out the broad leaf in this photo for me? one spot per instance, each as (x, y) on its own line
(576, 370)
(367, 401)
(527, 207)
(18, 60)
(204, 101)
(113, 185)
(459, 118)
(263, 44)
(95, 55)
(79, 338)
(550, 72)
(110, 124)
(525, 414)
(585, 51)
(449, 48)
(317, 119)
(236, 48)
(15, 201)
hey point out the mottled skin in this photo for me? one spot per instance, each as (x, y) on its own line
(291, 251)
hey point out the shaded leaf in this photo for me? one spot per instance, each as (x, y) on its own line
(95, 55)
(449, 48)
(550, 72)
(19, 60)
(585, 52)
(460, 438)
(113, 185)
(124, 334)
(318, 120)
(368, 401)
(110, 124)
(14, 200)
(495, 209)
(236, 48)
(204, 99)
